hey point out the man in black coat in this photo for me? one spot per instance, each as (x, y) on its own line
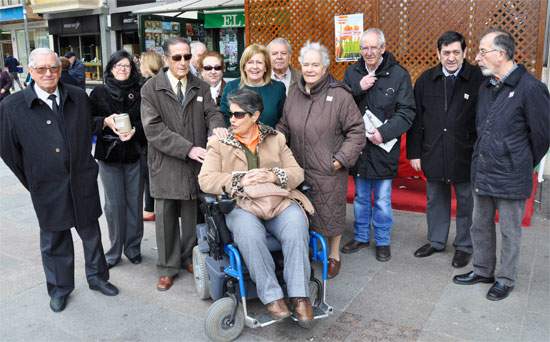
(513, 120)
(378, 83)
(46, 140)
(441, 141)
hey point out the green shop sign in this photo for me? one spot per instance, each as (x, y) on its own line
(214, 20)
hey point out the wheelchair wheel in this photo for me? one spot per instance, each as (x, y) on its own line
(199, 272)
(216, 325)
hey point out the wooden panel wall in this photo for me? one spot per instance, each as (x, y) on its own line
(411, 27)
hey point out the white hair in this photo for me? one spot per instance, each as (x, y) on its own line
(378, 32)
(280, 41)
(42, 51)
(194, 46)
(315, 47)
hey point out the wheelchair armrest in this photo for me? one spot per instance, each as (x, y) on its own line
(207, 198)
(304, 188)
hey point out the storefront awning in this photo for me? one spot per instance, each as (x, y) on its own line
(177, 8)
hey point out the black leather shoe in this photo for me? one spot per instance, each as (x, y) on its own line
(383, 253)
(105, 287)
(57, 304)
(135, 260)
(499, 291)
(471, 278)
(111, 264)
(353, 246)
(426, 250)
(461, 259)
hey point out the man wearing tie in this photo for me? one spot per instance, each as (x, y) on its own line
(46, 140)
(441, 141)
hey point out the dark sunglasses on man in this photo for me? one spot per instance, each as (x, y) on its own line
(177, 58)
(237, 115)
(209, 67)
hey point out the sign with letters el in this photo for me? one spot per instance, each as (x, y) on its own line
(216, 20)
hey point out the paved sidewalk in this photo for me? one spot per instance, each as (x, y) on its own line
(405, 299)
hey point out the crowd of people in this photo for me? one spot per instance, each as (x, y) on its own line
(169, 127)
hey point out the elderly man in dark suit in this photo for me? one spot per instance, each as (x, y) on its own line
(46, 140)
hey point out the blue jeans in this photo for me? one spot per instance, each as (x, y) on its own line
(381, 213)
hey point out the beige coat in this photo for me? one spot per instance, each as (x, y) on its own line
(172, 130)
(225, 158)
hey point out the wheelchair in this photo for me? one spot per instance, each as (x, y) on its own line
(221, 274)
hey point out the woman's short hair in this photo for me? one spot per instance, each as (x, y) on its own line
(65, 63)
(211, 54)
(249, 100)
(325, 58)
(152, 62)
(247, 55)
(117, 57)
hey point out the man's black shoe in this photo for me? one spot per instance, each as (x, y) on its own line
(383, 253)
(426, 250)
(135, 260)
(353, 246)
(105, 287)
(472, 278)
(499, 291)
(57, 304)
(461, 259)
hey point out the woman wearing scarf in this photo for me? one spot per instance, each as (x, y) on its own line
(119, 155)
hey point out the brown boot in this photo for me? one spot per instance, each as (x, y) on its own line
(333, 267)
(302, 308)
(278, 309)
(164, 283)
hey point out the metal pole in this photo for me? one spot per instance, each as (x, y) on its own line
(28, 45)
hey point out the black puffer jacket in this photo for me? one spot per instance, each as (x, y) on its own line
(443, 132)
(390, 98)
(103, 105)
(512, 127)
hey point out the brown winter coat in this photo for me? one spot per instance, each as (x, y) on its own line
(320, 126)
(224, 158)
(172, 130)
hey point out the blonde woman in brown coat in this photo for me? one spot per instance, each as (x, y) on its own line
(326, 133)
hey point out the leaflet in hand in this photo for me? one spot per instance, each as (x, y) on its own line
(372, 122)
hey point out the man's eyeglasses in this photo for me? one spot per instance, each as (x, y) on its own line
(42, 69)
(177, 58)
(123, 66)
(237, 115)
(483, 53)
(209, 67)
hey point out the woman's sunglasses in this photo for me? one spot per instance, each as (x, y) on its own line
(209, 67)
(177, 58)
(237, 115)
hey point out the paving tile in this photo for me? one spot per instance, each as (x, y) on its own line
(537, 327)
(538, 301)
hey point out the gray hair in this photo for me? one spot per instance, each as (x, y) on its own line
(315, 47)
(378, 32)
(280, 41)
(42, 51)
(503, 41)
(173, 41)
(249, 100)
(194, 46)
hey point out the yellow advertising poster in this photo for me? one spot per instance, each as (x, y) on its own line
(348, 29)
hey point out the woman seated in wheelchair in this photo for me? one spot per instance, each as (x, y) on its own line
(255, 154)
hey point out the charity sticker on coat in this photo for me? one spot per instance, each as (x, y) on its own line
(511, 94)
(466, 96)
(329, 98)
(199, 98)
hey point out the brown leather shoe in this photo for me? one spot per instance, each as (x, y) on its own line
(302, 308)
(333, 267)
(278, 309)
(189, 268)
(164, 283)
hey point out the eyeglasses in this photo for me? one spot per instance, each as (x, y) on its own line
(42, 69)
(177, 58)
(483, 53)
(237, 115)
(209, 67)
(122, 66)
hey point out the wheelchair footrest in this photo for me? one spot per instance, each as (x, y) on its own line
(261, 320)
(322, 311)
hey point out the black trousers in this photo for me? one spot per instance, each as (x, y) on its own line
(57, 251)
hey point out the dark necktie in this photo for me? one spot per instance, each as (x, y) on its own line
(55, 108)
(180, 93)
(453, 79)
